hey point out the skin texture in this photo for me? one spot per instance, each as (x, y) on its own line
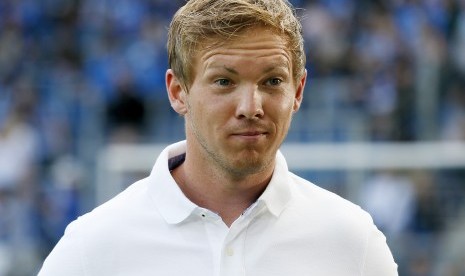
(237, 113)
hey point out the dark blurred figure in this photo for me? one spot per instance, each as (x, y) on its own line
(126, 113)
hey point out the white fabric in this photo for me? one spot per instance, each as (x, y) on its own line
(295, 228)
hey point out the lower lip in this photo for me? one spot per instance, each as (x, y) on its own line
(249, 137)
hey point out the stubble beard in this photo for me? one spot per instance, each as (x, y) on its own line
(235, 169)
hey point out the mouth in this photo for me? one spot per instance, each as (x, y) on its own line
(250, 134)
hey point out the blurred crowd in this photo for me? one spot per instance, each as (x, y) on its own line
(76, 75)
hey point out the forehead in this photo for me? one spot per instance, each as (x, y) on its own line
(254, 45)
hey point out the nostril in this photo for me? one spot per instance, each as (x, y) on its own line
(258, 113)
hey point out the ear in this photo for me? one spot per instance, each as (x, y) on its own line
(176, 93)
(299, 92)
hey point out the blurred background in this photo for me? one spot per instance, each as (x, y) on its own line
(78, 76)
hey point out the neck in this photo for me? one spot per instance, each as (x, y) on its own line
(223, 194)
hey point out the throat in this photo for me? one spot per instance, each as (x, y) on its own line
(228, 199)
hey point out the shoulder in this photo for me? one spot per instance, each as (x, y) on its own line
(330, 221)
(308, 193)
(95, 238)
(124, 207)
(318, 207)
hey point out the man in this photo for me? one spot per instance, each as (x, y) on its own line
(223, 202)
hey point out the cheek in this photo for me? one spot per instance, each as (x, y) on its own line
(209, 113)
(282, 108)
(281, 115)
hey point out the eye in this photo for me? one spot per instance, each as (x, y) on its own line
(274, 81)
(223, 82)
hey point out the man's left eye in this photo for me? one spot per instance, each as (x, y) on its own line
(223, 82)
(274, 81)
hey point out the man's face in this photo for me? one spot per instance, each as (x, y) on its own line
(240, 104)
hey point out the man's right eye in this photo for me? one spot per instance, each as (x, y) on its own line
(223, 82)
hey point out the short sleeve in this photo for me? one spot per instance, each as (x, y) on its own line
(378, 258)
(66, 257)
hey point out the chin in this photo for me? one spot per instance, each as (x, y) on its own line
(248, 165)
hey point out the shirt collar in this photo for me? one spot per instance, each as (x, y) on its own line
(175, 207)
(278, 193)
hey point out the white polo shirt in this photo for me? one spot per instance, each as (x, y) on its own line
(295, 228)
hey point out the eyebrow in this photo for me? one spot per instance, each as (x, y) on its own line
(267, 70)
(230, 70)
(276, 66)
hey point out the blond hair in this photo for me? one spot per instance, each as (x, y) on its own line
(221, 20)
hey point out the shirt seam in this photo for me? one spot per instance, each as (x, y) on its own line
(243, 245)
(365, 253)
(246, 236)
(82, 257)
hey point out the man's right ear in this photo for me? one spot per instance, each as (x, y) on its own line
(176, 93)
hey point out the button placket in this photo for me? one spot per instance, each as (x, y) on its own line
(216, 232)
(232, 259)
(229, 251)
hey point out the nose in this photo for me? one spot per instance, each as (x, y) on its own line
(249, 104)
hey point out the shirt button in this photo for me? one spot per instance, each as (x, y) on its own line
(229, 251)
